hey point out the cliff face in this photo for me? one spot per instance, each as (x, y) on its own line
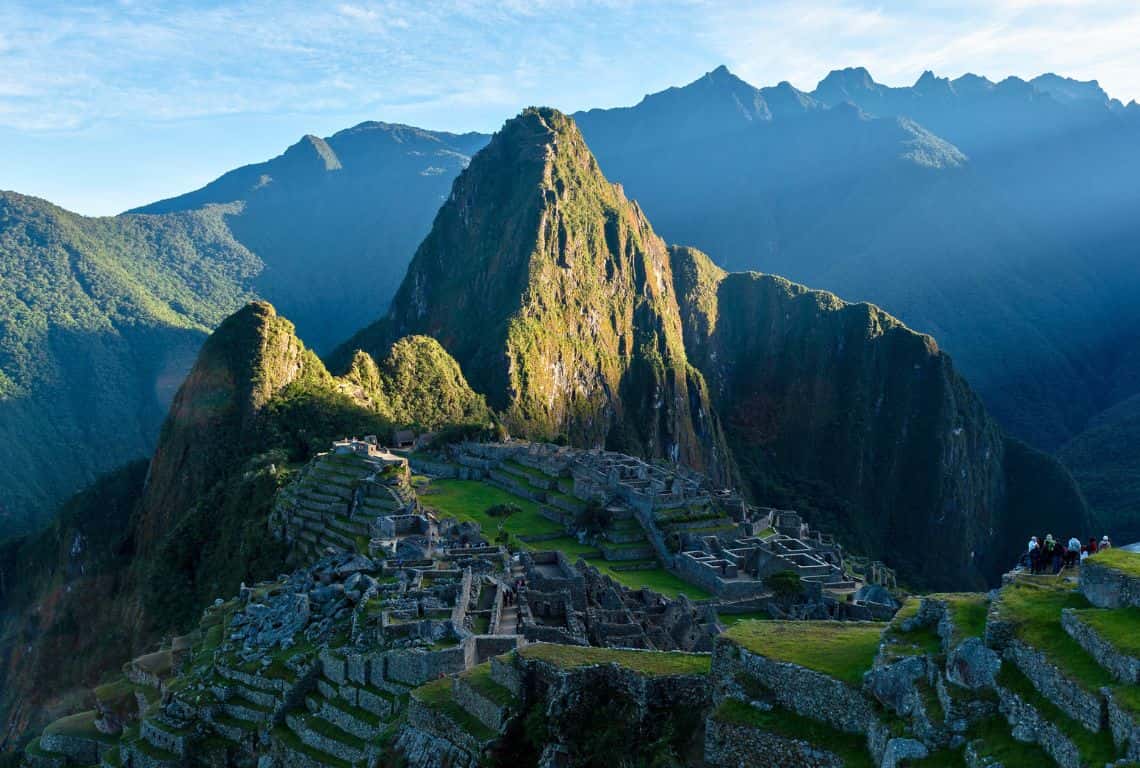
(840, 409)
(555, 296)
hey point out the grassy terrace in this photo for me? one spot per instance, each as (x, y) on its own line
(968, 612)
(479, 678)
(437, 695)
(1120, 627)
(468, 500)
(80, 725)
(843, 650)
(732, 619)
(851, 748)
(1095, 748)
(653, 663)
(1034, 604)
(294, 743)
(1119, 560)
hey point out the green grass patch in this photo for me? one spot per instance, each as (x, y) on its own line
(469, 500)
(657, 579)
(968, 612)
(843, 650)
(732, 619)
(294, 743)
(1118, 560)
(1035, 608)
(437, 695)
(851, 748)
(653, 663)
(479, 678)
(996, 742)
(1095, 748)
(1120, 627)
(80, 725)
(568, 545)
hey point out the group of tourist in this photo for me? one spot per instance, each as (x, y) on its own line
(1051, 555)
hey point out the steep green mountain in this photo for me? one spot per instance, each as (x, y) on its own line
(840, 410)
(555, 296)
(574, 318)
(100, 319)
(996, 216)
(141, 552)
(336, 220)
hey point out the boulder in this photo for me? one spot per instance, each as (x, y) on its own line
(972, 665)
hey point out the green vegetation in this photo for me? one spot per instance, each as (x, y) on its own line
(732, 619)
(998, 744)
(81, 725)
(1119, 626)
(479, 678)
(655, 663)
(851, 748)
(968, 613)
(840, 649)
(469, 500)
(100, 317)
(1035, 605)
(1095, 748)
(1118, 560)
(438, 695)
(657, 579)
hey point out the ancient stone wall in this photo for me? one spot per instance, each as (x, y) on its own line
(730, 746)
(1079, 704)
(800, 690)
(1124, 668)
(1107, 587)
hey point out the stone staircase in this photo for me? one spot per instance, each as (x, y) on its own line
(344, 716)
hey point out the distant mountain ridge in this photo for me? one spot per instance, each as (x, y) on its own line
(336, 220)
(997, 216)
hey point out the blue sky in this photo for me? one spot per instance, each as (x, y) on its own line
(106, 105)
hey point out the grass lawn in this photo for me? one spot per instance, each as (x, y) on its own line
(1119, 626)
(655, 663)
(657, 579)
(1118, 560)
(567, 544)
(1035, 607)
(851, 748)
(469, 500)
(840, 649)
(732, 619)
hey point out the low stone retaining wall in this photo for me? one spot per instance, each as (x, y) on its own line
(1028, 725)
(434, 722)
(729, 746)
(77, 749)
(1124, 727)
(419, 667)
(800, 690)
(1079, 704)
(479, 706)
(1107, 587)
(421, 749)
(1124, 668)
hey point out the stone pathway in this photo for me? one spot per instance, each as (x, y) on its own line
(509, 618)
